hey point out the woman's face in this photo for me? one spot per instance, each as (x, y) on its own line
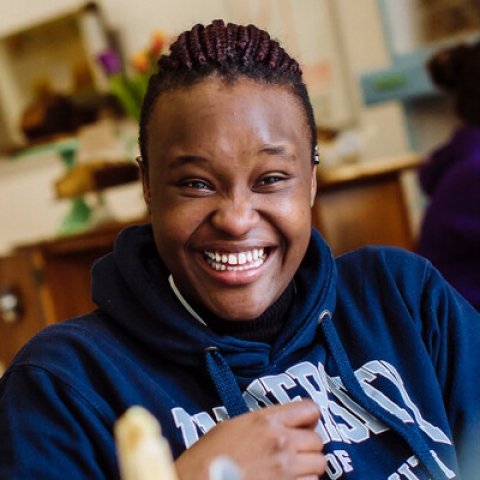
(230, 188)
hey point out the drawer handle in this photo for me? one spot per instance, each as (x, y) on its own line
(11, 305)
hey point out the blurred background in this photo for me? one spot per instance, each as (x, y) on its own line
(363, 62)
(71, 79)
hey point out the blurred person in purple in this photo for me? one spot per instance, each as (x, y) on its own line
(450, 233)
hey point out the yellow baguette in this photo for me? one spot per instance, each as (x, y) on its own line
(143, 453)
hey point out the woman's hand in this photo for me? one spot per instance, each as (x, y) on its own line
(273, 443)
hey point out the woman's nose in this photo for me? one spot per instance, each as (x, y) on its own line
(235, 216)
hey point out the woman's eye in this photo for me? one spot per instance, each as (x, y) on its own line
(197, 184)
(268, 180)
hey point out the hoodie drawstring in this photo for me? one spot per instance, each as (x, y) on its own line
(225, 383)
(351, 383)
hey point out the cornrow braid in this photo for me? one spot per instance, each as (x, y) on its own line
(196, 50)
(232, 40)
(179, 55)
(220, 35)
(263, 46)
(252, 46)
(230, 52)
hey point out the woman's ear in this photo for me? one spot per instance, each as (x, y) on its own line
(145, 184)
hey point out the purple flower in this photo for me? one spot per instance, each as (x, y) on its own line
(110, 61)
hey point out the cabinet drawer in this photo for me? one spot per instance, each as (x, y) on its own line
(20, 311)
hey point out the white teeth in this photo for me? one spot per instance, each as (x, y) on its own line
(229, 261)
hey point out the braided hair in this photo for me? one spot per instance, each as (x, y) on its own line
(230, 52)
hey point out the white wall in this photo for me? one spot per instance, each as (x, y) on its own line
(365, 49)
(29, 212)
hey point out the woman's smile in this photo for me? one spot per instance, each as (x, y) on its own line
(236, 262)
(234, 268)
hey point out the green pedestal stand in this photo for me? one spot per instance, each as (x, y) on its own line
(78, 217)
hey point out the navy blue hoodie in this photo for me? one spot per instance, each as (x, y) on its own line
(384, 346)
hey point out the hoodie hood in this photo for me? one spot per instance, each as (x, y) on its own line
(131, 286)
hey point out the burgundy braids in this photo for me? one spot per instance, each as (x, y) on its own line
(230, 52)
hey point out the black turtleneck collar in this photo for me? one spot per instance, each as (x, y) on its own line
(262, 329)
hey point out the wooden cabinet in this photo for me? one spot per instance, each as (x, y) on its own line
(51, 282)
(365, 204)
(20, 310)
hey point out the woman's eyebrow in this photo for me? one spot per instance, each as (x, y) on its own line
(186, 160)
(277, 150)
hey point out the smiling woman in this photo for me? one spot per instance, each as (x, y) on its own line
(228, 317)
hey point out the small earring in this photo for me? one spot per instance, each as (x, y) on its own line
(316, 158)
(139, 159)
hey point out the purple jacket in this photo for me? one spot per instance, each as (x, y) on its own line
(450, 234)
